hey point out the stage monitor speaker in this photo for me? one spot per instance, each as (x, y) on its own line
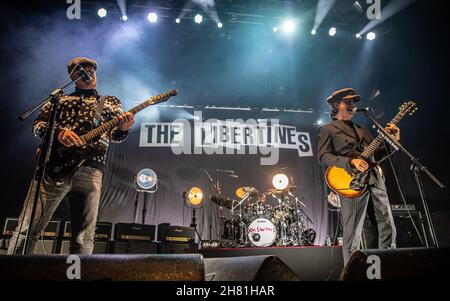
(248, 268)
(398, 264)
(103, 267)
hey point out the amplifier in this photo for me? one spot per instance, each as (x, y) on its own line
(177, 234)
(100, 247)
(102, 230)
(407, 236)
(43, 246)
(11, 223)
(177, 248)
(134, 232)
(131, 247)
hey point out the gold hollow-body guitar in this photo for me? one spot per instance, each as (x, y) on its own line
(354, 185)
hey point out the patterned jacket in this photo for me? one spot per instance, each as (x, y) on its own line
(76, 112)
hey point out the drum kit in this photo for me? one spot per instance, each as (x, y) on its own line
(252, 221)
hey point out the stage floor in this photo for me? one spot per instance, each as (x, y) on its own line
(313, 263)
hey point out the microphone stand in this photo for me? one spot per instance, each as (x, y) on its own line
(44, 155)
(416, 168)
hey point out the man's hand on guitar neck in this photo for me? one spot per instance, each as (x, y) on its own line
(394, 131)
(126, 120)
(360, 164)
(69, 138)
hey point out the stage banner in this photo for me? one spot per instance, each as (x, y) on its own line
(210, 149)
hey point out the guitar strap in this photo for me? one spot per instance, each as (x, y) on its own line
(98, 112)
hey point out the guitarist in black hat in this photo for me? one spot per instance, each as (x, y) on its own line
(78, 112)
(337, 140)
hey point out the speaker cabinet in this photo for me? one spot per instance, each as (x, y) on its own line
(132, 247)
(407, 236)
(100, 247)
(177, 248)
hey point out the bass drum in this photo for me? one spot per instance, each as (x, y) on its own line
(262, 232)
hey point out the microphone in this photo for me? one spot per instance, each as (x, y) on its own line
(358, 110)
(86, 77)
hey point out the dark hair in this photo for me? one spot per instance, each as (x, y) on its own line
(333, 110)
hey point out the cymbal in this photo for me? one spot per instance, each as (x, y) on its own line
(222, 201)
(276, 191)
(242, 191)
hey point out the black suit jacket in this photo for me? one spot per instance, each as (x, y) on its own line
(337, 140)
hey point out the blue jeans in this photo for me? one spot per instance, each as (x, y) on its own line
(83, 192)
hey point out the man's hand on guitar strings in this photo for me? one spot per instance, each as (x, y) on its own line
(69, 138)
(360, 164)
(126, 121)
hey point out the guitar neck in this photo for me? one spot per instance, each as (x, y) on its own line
(373, 146)
(111, 124)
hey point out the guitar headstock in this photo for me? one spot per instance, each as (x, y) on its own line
(408, 107)
(163, 97)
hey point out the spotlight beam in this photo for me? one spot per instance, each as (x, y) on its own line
(323, 8)
(122, 4)
(388, 11)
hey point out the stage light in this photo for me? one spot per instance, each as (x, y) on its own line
(313, 32)
(332, 31)
(280, 181)
(193, 197)
(319, 122)
(177, 20)
(152, 17)
(124, 18)
(358, 35)
(358, 7)
(146, 180)
(102, 12)
(220, 25)
(288, 26)
(198, 18)
(371, 36)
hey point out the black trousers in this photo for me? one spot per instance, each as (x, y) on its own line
(354, 212)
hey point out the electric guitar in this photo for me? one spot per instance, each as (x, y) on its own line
(354, 185)
(64, 161)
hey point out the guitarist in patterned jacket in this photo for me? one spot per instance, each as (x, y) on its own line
(337, 141)
(78, 112)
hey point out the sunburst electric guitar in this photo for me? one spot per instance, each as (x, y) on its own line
(64, 161)
(354, 185)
